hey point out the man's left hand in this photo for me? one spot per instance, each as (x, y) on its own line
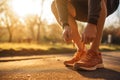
(89, 33)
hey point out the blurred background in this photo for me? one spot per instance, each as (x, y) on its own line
(31, 24)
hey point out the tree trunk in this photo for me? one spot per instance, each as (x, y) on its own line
(39, 22)
(38, 35)
(38, 32)
(10, 34)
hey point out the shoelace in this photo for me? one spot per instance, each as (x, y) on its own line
(78, 54)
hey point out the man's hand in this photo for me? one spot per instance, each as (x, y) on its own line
(89, 33)
(67, 34)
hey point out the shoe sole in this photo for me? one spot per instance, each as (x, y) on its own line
(68, 65)
(89, 69)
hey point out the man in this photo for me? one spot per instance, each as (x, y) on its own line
(94, 12)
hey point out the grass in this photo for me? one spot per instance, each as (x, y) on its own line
(43, 46)
(22, 49)
(110, 47)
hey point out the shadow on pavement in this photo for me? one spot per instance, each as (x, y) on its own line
(23, 59)
(31, 52)
(105, 73)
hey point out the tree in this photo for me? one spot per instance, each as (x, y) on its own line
(114, 31)
(39, 22)
(118, 14)
(9, 20)
(54, 33)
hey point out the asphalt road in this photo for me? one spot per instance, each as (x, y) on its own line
(50, 67)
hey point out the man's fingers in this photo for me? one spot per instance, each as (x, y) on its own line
(82, 38)
(87, 39)
(67, 36)
(91, 39)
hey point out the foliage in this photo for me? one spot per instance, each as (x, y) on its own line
(114, 31)
(32, 29)
(54, 33)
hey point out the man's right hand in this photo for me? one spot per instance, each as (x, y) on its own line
(67, 34)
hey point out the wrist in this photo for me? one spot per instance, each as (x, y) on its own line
(64, 25)
(93, 21)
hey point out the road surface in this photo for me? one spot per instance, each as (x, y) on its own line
(50, 67)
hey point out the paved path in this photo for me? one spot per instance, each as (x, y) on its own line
(50, 67)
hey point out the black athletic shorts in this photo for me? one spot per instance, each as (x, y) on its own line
(81, 7)
(112, 5)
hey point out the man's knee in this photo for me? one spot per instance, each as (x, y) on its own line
(53, 6)
(54, 11)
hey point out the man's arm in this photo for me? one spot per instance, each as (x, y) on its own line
(62, 11)
(94, 8)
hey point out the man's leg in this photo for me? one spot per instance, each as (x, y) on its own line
(93, 60)
(75, 34)
(100, 25)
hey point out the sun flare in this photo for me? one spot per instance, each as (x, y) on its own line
(25, 7)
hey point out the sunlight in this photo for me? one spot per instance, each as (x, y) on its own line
(47, 14)
(25, 7)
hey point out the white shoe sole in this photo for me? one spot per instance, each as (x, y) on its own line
(89, 69)
(68, 65)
